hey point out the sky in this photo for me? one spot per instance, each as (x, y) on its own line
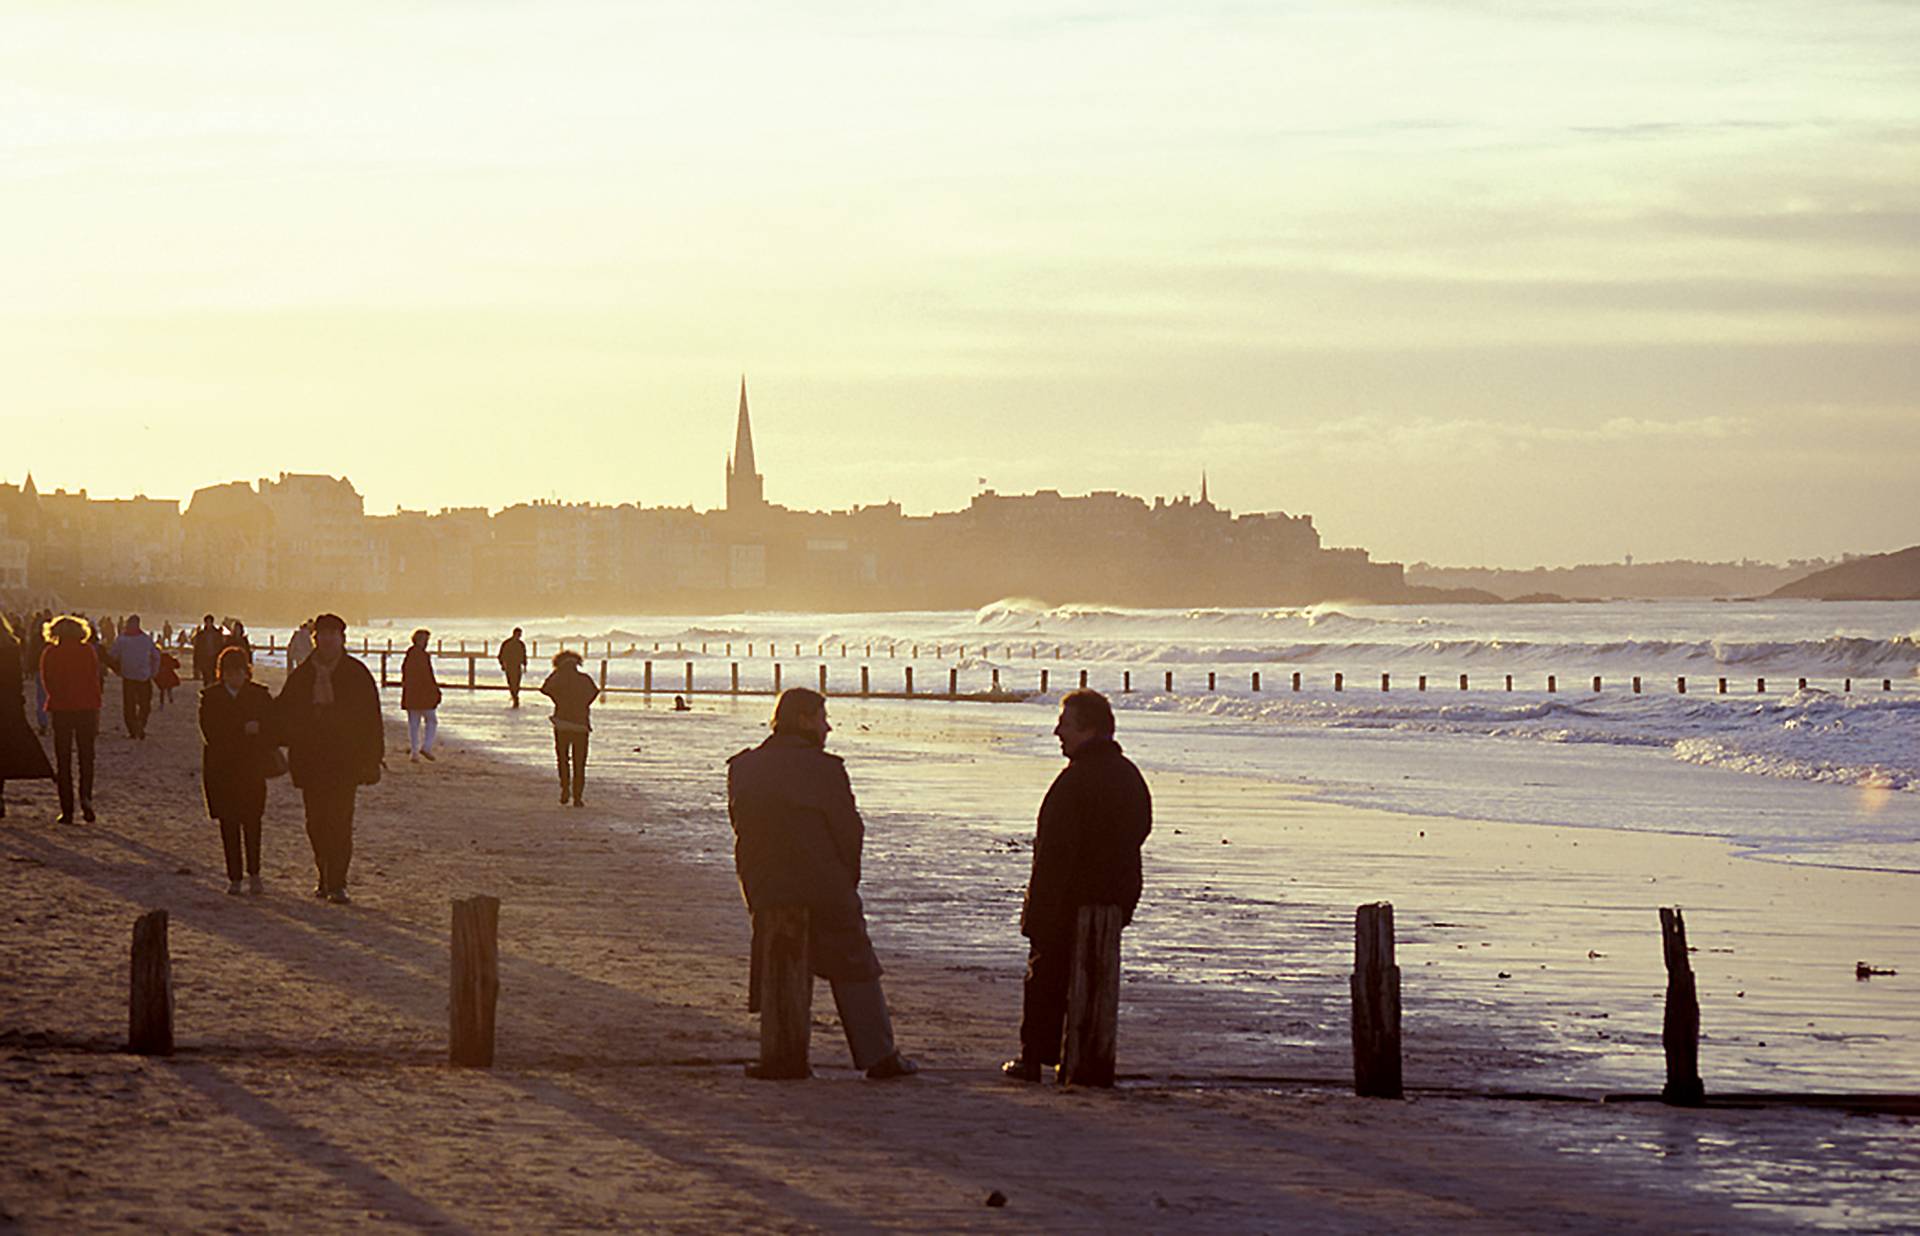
(1468, 281)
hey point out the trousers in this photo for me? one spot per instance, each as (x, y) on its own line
(1043, 1003)
(570, 752)
(863, 1015)
(416, 717)
(136, 705)
(75, 729)
(232, 834)
(330, 829)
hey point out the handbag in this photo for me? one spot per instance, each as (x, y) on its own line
(276, 763)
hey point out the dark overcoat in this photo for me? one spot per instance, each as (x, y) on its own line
(233, 763)
(1086, 850)
(797, 841)
(22, 758)
(419, 689)
(335, 746)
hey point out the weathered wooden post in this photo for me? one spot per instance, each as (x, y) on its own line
(1803, 684)
(1849, 687)
(916, 652)
(439, 646)
(1296, 680)
(1636, 684)
(1092, 1032)
(869, 649)
(776, 678)
(1596, 684)
(729, 647)
(476, 981)
(470, 673)
(1551, 687)
(1723, 686)
(1886, 684)
(1043, 682)
(1386, 681)
(1423, 682)
(865, 691)
(733, 672)
(823, 680)
(703, 648)
(781, 990)
(150, 991)
(1210, 674)
(1056, 652)
(603, 675)
(463, 645)
(383, 670)
(689, 686)
(1680, 1032)
(843, 651)
(1169, 681)
(953, 683)
(1375, 985)
(1339, 682)
(646, 677)
(1509, 682)
(910, 680)
(1760, 686)
(1256, 682)
(1463, 682)
(1126, 682)
(1083, 680)
(1680, 684)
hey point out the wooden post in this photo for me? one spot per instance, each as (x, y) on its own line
(1169, 681)
(1680, 1033)
(603, 675)
(383, 670)
(1509, 682)
(476, 981)
(439, 646)
(1723, 686)
(1849, 686)
(1256, 682)
(1803, 684)
(1126, 681)
(150, 993)
(1423, 682)
(646, 680)
(689, 678)
(463, 645)
(1386, 682)
(776, 678)
(1760, 686)
(1210, 679)
(1681, 684)
(729, 647)
(1596, 684)
(1092, 1029)
(1463, 682)
(910, 680)
(1043, 682)
(1296, 680)
(1083, 680)
(1636, 684)
(782, 991)
(953, 683)
(823, 680)
(864, 690)
(470, 672)
(1551, 687)
(1339, 682)
(1886, 684)
(1376, 1004)
(734, 672)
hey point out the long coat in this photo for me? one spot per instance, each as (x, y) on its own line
(337, 746)
(419, 689)
(798, 838)
(1086, 850)
(233, 763)
(22, 758)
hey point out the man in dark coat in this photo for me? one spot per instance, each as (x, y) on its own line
(798, 838)
(207, 643)
(327, 716)
(1086, 851)
(513, 662)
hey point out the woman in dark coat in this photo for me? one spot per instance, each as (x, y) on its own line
(572, 693)
(420, 696)
(234, 721)
(21, 756)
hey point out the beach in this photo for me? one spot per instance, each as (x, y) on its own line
(310, 1086)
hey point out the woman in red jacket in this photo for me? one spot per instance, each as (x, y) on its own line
(419, 696)
(70, 672)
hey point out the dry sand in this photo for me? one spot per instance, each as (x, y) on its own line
(310, 1090)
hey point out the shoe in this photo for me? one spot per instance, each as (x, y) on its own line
(339, 897)
(427, 756)
(233, 888)
(413, 757)
(1021, 1070)
(65, 817)
(253, 885)
(319, 893)
(893, 1066)
(86, 812)
(579, 802)
(565, 798)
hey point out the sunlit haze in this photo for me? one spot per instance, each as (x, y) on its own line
(1467, 282)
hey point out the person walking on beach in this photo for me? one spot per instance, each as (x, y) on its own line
(299, 645)
(572, 693)
(513, 663)
(136, 658)
(70, 671)
(236, 638)
(1086, 851)
(327, 716)
(798, 839)
(165, 679)
(235, 720)
(420, 697)
(21, 756)
(207, 643)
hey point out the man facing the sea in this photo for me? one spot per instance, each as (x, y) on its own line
(327, 716)
(513, 663)
(798, 838)
(1086, 852)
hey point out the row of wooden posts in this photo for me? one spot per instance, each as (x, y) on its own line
(781, 991)
(996, 691)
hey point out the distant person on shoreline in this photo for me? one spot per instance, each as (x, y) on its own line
(21, 756)
(236, 638)
(1086, 851)
(572, 693)
(136, 658)
(207, 643)
(420, 697)
(513, 663)
(798, 840)
(299, 645)
(70, 671)
(327, 716)
(235, 719)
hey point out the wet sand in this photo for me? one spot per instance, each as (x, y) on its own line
(310, 1088)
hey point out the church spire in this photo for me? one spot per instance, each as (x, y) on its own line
(1203, 488)
(744, 492)
(743, 436)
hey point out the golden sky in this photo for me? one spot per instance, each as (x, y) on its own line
(1466, 280)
